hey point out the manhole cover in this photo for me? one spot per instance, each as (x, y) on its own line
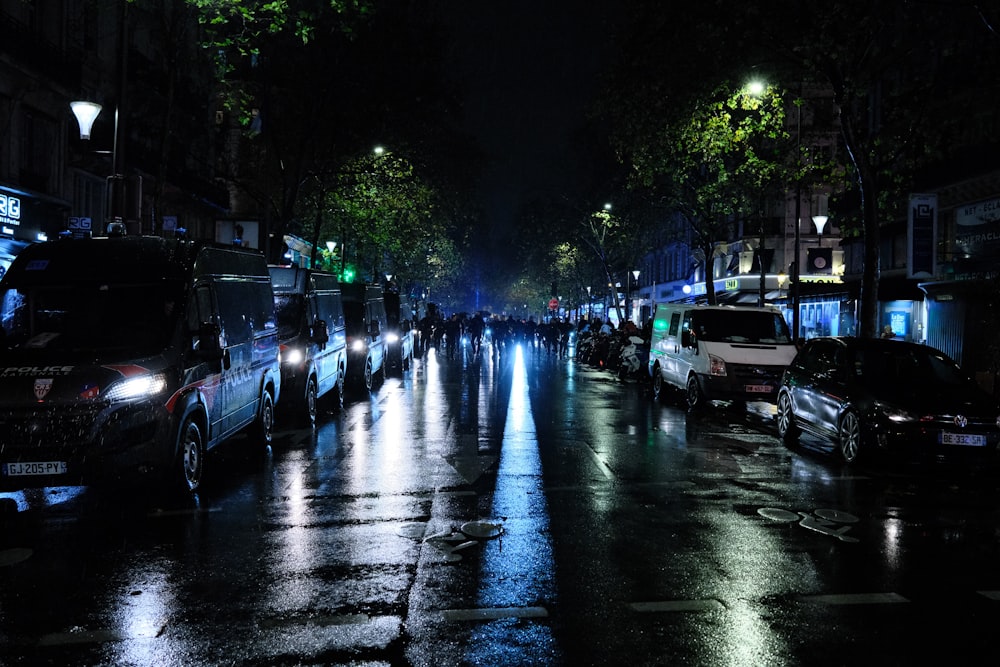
(482, 529)
(777, 514)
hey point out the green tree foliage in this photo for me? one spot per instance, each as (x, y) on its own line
(312, 84)
(716, 162)
(386, 220)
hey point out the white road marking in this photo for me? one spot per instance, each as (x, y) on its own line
(678, 605)
(856, 598)
(494, 614)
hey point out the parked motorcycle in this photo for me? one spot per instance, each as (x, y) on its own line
(634, 357)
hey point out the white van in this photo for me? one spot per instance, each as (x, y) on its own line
(719, 352)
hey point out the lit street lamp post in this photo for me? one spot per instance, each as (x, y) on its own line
(635, 283)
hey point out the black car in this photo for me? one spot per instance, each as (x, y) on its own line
(875, 395)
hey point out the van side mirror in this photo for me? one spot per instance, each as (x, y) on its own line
(373, 329)
(319, 332)
(688, 339)
(209, 347)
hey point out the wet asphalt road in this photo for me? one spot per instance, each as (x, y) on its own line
(599, 529)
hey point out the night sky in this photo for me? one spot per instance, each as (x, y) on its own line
(529, 72)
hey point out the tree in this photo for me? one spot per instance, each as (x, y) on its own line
(716, 163)
(298, 84)
(386, 219)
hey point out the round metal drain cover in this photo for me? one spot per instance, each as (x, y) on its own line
(777, 514)
(482, 529)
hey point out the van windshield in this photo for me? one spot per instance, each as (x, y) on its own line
(288, 309)
(96, 317)
(354, 316)
(740, 326)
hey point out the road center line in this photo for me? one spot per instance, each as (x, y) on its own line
(855, 598)
(678, 605)
(494, 614)
(601, 465)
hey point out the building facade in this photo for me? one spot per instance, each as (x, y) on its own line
(140, 62)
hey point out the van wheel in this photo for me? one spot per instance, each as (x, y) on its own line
(695, 399)
(190, 454)
(657, 385)
(339, 390)
(309, 405)
(263, 428)
(785, 418)
(368, 379)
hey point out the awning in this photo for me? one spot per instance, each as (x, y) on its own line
(740, 298)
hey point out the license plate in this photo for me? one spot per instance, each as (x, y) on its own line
(758, 389)
(26, 468)
(967, 439)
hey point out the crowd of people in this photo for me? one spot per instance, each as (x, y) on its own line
(552, 334)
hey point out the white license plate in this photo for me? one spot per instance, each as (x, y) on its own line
(967, 439)
(758, 389)
(26, 468)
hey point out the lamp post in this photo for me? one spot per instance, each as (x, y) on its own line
(628, 295)
(796, 269)
(86, 113)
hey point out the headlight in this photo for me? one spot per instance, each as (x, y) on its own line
(358, 345)
(291, 355)
(895, 414)
(392, 338)
(134, 388)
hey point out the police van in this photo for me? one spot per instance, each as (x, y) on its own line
(399, 332)
(127, 359)
(719, 352)
(365, 319)
(311, 335)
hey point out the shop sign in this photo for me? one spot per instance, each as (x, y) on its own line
(10, 210)
(922, 247)
(976, 226)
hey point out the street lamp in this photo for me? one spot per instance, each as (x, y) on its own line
(796, 269)
(635, 282)
(86, 113)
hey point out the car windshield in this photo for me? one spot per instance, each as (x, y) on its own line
(740, 326)
(90, 316)
(906, 366)
(288, 311)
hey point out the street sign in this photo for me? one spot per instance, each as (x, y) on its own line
(553, 304)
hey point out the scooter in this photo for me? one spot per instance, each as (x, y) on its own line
(632, 361)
